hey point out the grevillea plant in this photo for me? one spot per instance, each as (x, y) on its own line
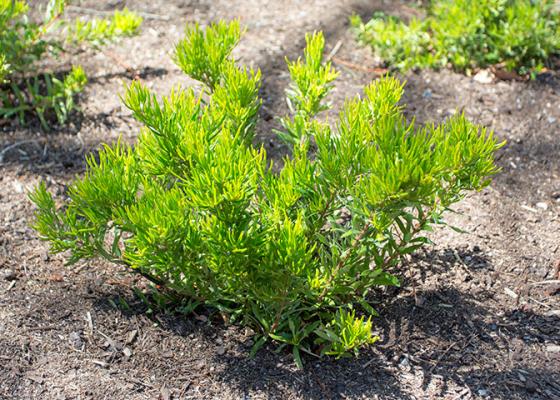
(518, 35)
(24, 43)
(294, 250)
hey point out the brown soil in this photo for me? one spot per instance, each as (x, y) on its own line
(486, 320)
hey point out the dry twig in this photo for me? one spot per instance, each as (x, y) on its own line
(377, 71)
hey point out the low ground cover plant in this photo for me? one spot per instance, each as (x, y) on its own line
(293, 251)
(518, 35)
(24, 43)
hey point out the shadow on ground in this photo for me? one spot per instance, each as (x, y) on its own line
(453, 343)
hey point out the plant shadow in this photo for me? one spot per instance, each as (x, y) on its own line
(455, 343)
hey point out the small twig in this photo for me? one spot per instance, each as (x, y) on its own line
(464, 392)
(369, 363)
(441, 357)
(539, 303)
(46, 27)
(343, 260)
(413, 281)
(333, 52)
(139, 382)
(105, 336)
(461, 262)
(13, 146)
(550, 282)
(278, 316)
(91, 11)
(89, 321)
(10, 286)
(184, 390)
(323, 214)
(523, 206)
(511, 293)
(378, 71)
(123, 64)
(102, 364)
(43, 328)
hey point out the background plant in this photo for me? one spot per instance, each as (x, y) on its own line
(197, 209)
(24, 42)
(521, 35)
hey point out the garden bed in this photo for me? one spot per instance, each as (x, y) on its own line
(485, 321)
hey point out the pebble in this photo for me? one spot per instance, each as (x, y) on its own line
(427, 94)
(482, 392)
(484, 76)
(9, 275)
(542, 205)
(18, 187)
(404, 364)
(531, 386)
(76, 340)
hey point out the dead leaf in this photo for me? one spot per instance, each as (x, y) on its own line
(506, 75)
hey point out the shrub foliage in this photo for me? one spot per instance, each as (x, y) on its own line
(24, 43)
(521, 35)
(292, 251)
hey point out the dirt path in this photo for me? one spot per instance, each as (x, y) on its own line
(486, 323)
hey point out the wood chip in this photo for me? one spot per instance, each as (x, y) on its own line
(10, 286)
(89, 321)
(102, 364)
(131, 336)
(510, 293)
(523, 206)
(127, 352)
(553, 348)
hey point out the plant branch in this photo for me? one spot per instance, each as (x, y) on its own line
(322, 215)
(345, 258)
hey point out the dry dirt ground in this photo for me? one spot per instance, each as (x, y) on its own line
(485, 324)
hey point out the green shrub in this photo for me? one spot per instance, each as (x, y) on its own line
(520, 34)
(24, 43)
(198, 210)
